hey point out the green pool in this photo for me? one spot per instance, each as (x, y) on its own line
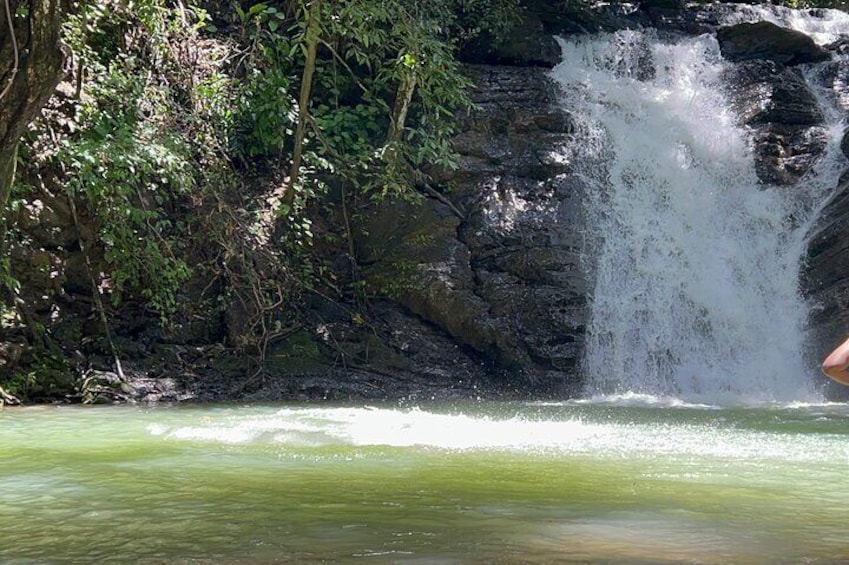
(628, 481)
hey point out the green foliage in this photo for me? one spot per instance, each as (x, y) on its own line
(266, 108)
(124, 154)
(396, 279)
(50, 377)
(174, 141)
(7, 280)
(20, 383)
(493, 18)
(369, 50)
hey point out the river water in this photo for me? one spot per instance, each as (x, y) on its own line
(628, 480)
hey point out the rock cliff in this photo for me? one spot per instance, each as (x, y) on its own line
(501, 272)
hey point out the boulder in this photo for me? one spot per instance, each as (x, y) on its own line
(768, 41)
(526, 44)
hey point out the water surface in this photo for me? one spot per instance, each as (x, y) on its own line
(600, 482)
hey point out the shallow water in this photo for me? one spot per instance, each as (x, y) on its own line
(606, 481)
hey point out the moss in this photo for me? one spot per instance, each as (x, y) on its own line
(393, 279)
(298, 352)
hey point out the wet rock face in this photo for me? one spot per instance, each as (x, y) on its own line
(783, 115)
(828, 258)
(505, 277)
(824, 280)
(524, 222)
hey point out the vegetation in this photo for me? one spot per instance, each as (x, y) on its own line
(193, 142)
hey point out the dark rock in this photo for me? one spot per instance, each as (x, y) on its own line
(824, 275)
(784, 154)
(763, 92)
(48, 221)
(661, 4)
(506, 279)
(586, 17)
(526, 44)
(393, 355)
(767, 41)
(783, 115)
(844, 143)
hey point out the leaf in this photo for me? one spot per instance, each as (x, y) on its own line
(257, 9)
(408, 60)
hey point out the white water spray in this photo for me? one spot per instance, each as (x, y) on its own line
(695, 261)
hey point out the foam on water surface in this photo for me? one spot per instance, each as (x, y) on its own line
(571, 432)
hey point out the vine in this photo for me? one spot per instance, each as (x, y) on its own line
(15, 54)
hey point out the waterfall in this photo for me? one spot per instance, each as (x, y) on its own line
(694, 262)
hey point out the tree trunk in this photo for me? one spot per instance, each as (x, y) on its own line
(31, 65)
(312, 37)
(403, 97)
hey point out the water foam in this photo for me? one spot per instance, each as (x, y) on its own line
(372, 426)
(297, 428)
(695, 261)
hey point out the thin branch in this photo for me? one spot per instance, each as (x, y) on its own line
(94, 288)
(14, 50)
(312, 38)
(432, 192)
(345, 64)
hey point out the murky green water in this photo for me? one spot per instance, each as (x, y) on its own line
(462, 483)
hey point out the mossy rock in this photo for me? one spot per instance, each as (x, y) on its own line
(297, 353)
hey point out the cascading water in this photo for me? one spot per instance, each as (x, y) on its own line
(695, 262)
